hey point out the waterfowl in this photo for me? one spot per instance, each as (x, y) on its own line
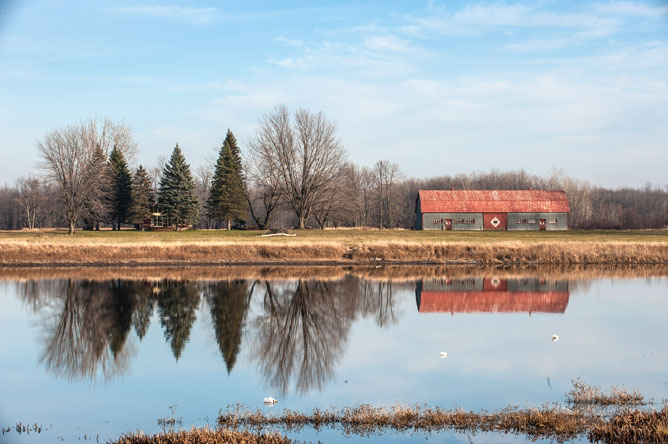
(444, 355)
(555, 338)
(270, 401)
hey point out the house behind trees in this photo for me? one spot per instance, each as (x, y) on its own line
(516, 210)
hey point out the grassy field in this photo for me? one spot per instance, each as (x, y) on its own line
(330, 235)
(344, 246)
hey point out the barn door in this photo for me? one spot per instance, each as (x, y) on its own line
(448, 224)
(541, 224)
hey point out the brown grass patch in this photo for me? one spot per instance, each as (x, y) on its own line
(601, 417)
(385, 273)
(586, 395)
(633, 426)
(548, 422)
(204, 436)
(303, 252)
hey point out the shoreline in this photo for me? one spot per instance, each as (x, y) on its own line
(333, 253)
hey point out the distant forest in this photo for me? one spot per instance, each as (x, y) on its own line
(293, 173)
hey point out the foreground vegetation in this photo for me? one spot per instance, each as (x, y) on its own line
(205, 436)
(618, 417)
(608, 418)
(345, 246)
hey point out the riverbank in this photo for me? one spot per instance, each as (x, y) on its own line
(333, 247)
(385, 273)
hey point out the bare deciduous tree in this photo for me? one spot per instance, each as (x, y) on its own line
(73, 156)
(30, 195)
(305, 154)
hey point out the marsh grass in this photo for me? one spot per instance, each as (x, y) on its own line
(583, 394)
(21, 428)
(335, 247)
(204, 436)
(385, 273)
(549, 421)
(611, 420)
(633, 426)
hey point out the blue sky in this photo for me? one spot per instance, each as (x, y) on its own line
(438, 87)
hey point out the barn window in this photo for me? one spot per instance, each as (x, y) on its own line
(464, 221)
(438, 221)
(552, 221)
(520, 221)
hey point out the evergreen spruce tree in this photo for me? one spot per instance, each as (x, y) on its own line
(142, 200)
(178, 200)
(229, 305)
(121, 188)
(177, 306)
(227, 200)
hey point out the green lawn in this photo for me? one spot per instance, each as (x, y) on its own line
(343, 235)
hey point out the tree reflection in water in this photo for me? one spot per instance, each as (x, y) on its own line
(299, 332)
(305, 327)
(86, 327)
(177, 304)
(228, 302)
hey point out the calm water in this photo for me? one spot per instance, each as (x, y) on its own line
(89, 359)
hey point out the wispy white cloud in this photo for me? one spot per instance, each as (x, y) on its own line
(478, 19)
(386, 43)
(189, 14)
(288, 41)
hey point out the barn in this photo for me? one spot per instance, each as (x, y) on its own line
(491, 295)
(519, 210)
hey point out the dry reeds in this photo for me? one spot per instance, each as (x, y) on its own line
(549, 422)
(394, 273)
(606, 418)
(334, 252)
(586, 395)
(633, 426)
(204, 436)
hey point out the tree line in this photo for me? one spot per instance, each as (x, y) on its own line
(294, 173)
(298, 332)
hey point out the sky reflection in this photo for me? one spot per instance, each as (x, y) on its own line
(111, 356)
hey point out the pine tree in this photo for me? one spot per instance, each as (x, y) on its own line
(227, 200)
(177, 306)
(142, 198)
(229, 306)
(121, 187)
(178, 200)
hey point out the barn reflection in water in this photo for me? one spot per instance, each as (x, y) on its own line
(491, 295)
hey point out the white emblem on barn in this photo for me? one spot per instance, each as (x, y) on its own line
(495, 222)
(495, 282)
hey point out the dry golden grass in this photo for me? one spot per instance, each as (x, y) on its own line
(633, 427)
(586, 395)
(548, 422)
(499, 253)
(551, 422)
(204, 436)
(394, 273)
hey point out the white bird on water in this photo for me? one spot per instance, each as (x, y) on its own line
(270, 401)
(555, 338)
(444, 355)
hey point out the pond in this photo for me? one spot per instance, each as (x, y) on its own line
(92, 354)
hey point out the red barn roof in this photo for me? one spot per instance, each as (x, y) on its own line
(493, 201)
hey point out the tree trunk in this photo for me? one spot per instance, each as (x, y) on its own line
(71, 230)
(229, 224)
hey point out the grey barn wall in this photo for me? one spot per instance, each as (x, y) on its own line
(562, 221)
(427, 220)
